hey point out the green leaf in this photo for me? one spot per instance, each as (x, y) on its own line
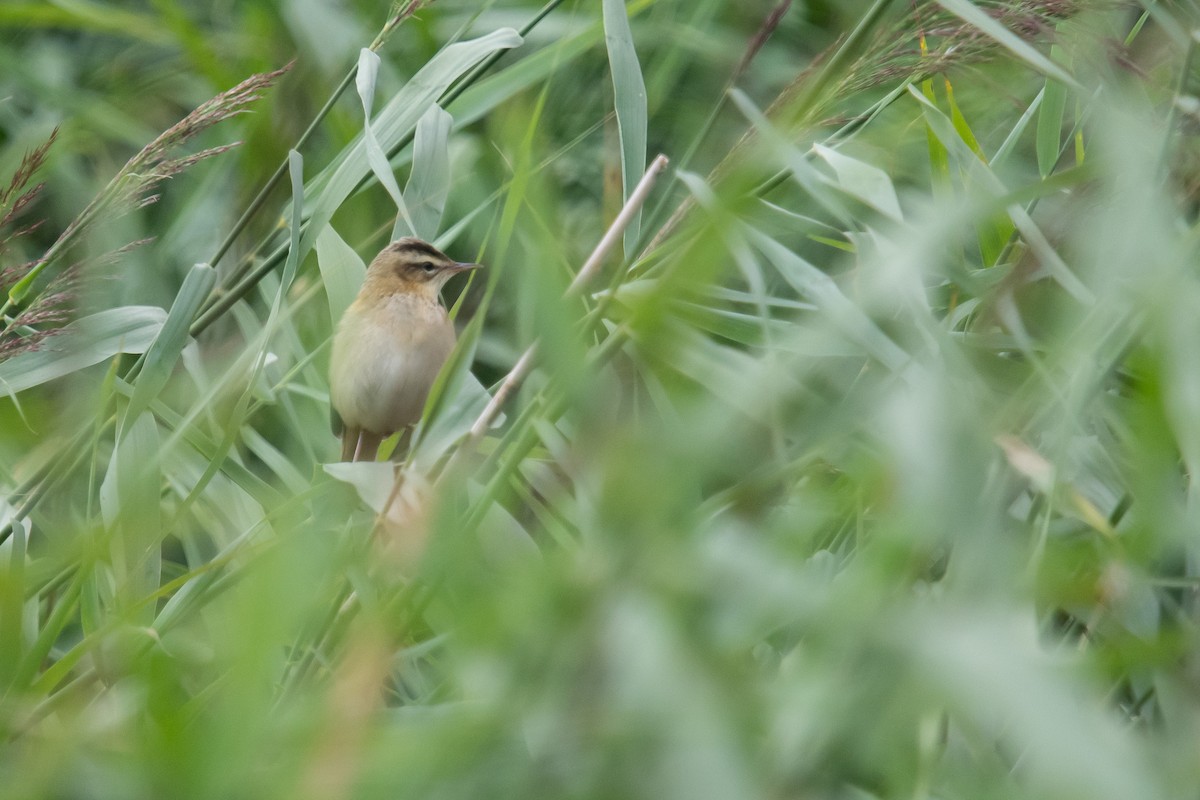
(1010, 141)
(1049, 126)
(171, 338)
(129, 503)
(992, 184)
(84, 343)
(12, 601)
(993, 233)
(453, 419)
(203, 452)
(844, 315)
(961, 125)
(451, 392)
(373, 480)
(503, 540)
(274, 460)
(797, 163)
(342, 271)
(939, 163)
(429, 184)
(397, 119)
(479, 100)
(294, 255)
(863, 181)
(734, 325)
(629, 100)
(368, 71)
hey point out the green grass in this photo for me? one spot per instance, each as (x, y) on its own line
(862, 468)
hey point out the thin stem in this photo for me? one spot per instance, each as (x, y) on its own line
(769, 24)
(227, 300)
(589, 270)
(36, 487)
(257, 203)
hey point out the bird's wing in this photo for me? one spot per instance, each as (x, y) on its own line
(335, 421)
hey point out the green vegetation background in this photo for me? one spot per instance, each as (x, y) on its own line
(865, 468)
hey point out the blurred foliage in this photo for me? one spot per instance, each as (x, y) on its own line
(864, 469)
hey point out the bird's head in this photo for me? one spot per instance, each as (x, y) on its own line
(414, 266)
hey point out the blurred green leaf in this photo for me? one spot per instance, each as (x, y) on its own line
(373, 480)
(863, 181)
(83, 343)
(1049, 127)
(12, 602)
(629, 100)
(129, 504)
(85, 15)
(163, 353)
(478, 100)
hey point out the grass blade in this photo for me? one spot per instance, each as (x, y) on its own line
(629, 100)
(168, 344)
(84, 343)
(429, 184)
(342, 271)
(368, 71)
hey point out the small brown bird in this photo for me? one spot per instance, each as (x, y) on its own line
(390, 345)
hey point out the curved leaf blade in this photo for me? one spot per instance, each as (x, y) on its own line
(82, 344)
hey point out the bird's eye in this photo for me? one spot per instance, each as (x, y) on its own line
(428, 268)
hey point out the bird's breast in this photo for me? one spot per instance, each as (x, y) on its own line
(386, 355)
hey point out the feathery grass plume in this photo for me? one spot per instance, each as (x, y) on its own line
(768, 26)
(894, 53)
(401, 10)
(135, 184)
(42, 318)
(15, 198)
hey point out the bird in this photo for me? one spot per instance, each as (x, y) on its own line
(390, 345)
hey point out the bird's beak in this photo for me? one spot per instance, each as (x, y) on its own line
(462, 266)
